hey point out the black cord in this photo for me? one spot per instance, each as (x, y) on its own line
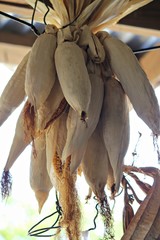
(44, 18)
(33, 28)
(38, 232)
(94, 220)
(33, 14)
(146, 49)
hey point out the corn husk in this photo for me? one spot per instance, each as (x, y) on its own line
(73, 76)
(39, 178)
(134, 80)
(115, 126)
(14, 93)
(78, 132)
(38, 84)
(19, 143)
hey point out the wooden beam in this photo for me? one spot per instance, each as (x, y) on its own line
(135, 30)
(18, 39)
(150, 64)
(145, 17)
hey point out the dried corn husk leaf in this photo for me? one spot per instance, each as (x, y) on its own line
(39, 178)
(70, 6)
(82, 19)
(14, 93)
(19, 142)
(154, 232)
(146, 214)
(99, 13)
(61, 11)
(52, 16)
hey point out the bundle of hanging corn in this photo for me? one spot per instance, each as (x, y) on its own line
(75, 81)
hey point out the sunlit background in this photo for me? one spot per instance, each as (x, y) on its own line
(20, 211)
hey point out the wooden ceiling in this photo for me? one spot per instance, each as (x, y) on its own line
(144, 21)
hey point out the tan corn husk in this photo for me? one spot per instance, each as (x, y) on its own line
(73, 76)
(115, 126)
(51, 138)
(49, 107)
(39, 178)
(95, 164)
(146, 214)
(14, 93)
(87, 40)
(77, 132)
(95, 13)
(134, 81)
(154, 232)
(39, 83)
(19, 142)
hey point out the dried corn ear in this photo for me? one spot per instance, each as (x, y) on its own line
(19, 142)
(73, 77)
(133, 79)
(95, 164)
(40, 73)
(39, 178)
(77, 132)
(115, 126)
(14, 93)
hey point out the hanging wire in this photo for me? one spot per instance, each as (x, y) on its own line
(134, 153)
(34, 11)
(38, 232)
(44, 18)
(146, 49)
(31, 25)
(33, 28)
(94, 220)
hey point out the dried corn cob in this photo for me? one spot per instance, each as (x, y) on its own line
(115, 126)
(73, 77)
(40, 73)
(77, 133)
(20, 142)
(95, 164)
(39, 178)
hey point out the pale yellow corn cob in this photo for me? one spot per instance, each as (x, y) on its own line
(19, 143)
(73, 76)
(41, 74)
(14, 93)
(115, 126)
(39, 178)
(133, 79)
(95, 164)
(77, 132)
